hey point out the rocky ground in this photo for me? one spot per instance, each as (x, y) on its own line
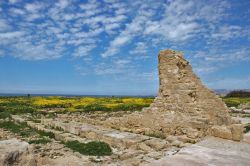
(128, 148)
(210, 151)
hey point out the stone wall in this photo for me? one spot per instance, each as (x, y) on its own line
(183, 107)
(182, 91)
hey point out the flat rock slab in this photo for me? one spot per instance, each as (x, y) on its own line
(244, 120)
(209, 152)
(15, 152)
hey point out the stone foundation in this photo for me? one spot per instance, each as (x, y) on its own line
(183, 106)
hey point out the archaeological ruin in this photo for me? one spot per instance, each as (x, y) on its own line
(184, 107)
(169, 132)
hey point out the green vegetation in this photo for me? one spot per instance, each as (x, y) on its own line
(91, 148)
(247, 115)
(247, 127)
(93, 107)
(46, 133)
(241, 94)
(11, 126)
(56, 128)
(236, 101)
(21, 128)
(24, 130)
(56, 104)
(120, 107)
(4, 114)
(130, 107)
(39, 141)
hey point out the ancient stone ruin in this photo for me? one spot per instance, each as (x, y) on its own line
(184, 107)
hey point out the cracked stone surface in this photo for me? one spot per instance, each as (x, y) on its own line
(209, 152)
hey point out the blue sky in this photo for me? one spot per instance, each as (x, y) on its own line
(110, 46)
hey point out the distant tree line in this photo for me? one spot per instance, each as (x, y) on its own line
(239, 93)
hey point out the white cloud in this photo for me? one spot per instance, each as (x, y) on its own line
(122, 62)
(34, 7)
(11, 35)
(3, 25)
(83, 50)
(81, 27)
(17, 11)
(140, 48)
(231, 56)
(230, 83)
(207, 62)
(177, 21)
(13, 1)
(132, 29)
(227, 32)
(63, 3)
(27, 51)
(203, 70)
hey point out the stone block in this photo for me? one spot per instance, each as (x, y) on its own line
(221, 132)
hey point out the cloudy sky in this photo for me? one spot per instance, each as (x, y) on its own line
(111, 46)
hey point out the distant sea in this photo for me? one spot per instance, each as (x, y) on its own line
(72, 95)
(218, 91)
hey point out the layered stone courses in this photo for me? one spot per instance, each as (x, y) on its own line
(183, 106)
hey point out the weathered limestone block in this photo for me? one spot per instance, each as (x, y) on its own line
(183, 102)
(156, 144)
(15, 152)
(237, 131)
(222, 132)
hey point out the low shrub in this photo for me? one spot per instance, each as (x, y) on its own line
(93, 107)
(247, 128)
(57, 128)
(46, 133)
(130, 107)
(4, 114)
(232, 102)
(39, 141)
(62, 105)
(239, 93)
(20, 128)
(91, 148)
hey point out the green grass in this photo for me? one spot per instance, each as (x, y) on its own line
(236, 101)
(93, 107)
(130, 107)
(120, 107)
(46, 133)
(92, 148)
(4, 114)
(15, 107)
(36, 120)
(246, 115)
(11, 126)
(56, 128)
(21, 128)
(247, 127)
(39, 141)
(24, 130)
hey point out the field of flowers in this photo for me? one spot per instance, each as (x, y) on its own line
(18, 105)
(72, 104)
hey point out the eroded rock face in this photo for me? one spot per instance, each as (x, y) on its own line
(15, 152)
(184, 106)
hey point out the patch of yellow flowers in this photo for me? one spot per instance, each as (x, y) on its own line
(76, 101)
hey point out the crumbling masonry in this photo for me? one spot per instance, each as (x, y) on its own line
(183, 107)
